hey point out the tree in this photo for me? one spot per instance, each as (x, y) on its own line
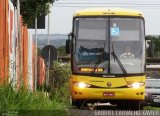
(59, 76)
(154, 46)
(62, 51)
(156, 41)
(30, 9)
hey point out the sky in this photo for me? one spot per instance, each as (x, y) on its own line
(62, 13)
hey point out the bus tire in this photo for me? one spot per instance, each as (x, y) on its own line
(77, 103)
(121, 106)
(135, 105)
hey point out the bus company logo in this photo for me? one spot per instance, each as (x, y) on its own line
(109, 84)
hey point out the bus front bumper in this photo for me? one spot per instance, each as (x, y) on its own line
(107, 94)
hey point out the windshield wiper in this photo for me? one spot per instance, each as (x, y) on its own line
(118, 61)
(99, 60)
(96, 65)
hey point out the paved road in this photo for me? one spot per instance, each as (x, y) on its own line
(96, 111)
(111, 111)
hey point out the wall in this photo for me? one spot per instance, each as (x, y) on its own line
(10, 55)
(4, 41)
(41, 71)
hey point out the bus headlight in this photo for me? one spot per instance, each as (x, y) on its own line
(136, 85)
(81, 84)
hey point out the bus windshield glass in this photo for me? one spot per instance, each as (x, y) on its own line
(94, 41)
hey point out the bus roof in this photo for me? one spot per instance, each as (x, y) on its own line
(108, 12)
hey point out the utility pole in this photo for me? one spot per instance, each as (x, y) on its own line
(35, 80)
(19, 41)
(47, 80)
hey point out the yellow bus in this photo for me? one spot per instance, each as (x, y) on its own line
(107, 48)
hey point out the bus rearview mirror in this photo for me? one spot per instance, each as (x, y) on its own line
(68, 41)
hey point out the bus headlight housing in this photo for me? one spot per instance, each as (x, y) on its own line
(81, 84)
(136, 85)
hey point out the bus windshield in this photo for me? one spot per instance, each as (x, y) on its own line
(94, 41)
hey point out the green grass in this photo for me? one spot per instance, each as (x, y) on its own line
(27, 103)
(37, 103)
(151, 108)
(24, 99)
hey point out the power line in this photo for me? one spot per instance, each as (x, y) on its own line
(144, 1)
(110, 4)
(85, 3)
(105, 5)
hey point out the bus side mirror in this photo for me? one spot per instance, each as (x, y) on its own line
(68, 43)
(150, 46)
(148, 41)
(147, 44)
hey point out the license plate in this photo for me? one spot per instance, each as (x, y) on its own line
(156, 100)
(108, 94)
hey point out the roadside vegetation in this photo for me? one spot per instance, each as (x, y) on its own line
(151, 108)
(154, 46)
(54, 99)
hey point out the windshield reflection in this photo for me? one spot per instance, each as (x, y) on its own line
(93, 40)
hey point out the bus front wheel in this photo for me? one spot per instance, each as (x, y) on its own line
(77, 103)
(134, 105)
(130, 105)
